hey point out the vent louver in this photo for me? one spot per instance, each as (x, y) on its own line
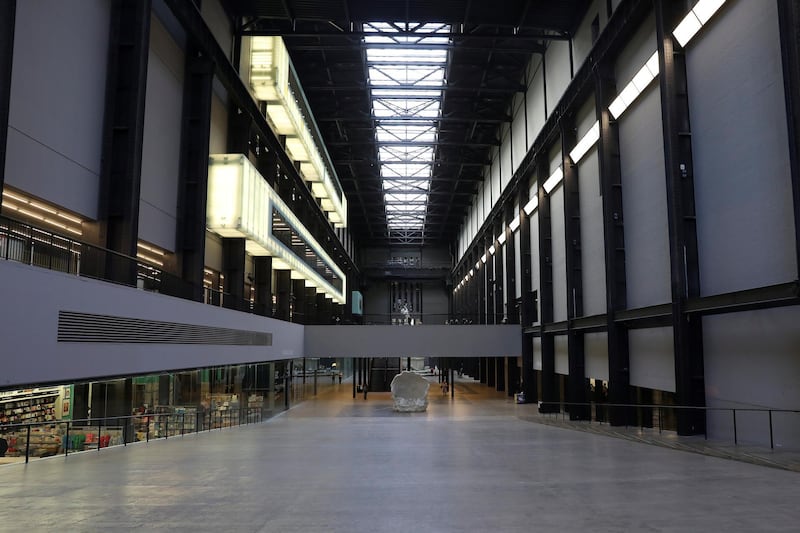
(85, 327)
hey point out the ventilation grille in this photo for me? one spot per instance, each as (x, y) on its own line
(84, 327)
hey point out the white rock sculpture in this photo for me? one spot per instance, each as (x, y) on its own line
(410, 392)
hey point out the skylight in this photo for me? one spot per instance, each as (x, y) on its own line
(406, 83)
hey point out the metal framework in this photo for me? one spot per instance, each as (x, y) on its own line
(409, 83)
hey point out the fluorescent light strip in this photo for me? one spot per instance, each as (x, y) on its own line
(514, 224)
(502, 238)
(635, 87)
(585, 144)
(529, 208)
(554, 179)
(700, 14)
(492, 249)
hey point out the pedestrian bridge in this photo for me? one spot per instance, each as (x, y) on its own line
(413, 341)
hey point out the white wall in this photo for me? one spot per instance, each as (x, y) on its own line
(217, 20)
(745, 219)
(561, 355)
(595, 346)
(31, 353)
(535, 277)
(652, 362)
(558, 254)
(162, 137)
(519, 134)
(752, 359)
(57, 102)
(218, 141)
(535, 103)
(644, 202)
(537, 353)
(557, 72)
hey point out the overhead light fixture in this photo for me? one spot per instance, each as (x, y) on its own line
(635, 87)
(585, 144)
(477, 265)
(483, 258)
(554, 179)
(529, 208)
(695, 19)
(514, 224)
(502, 238)
(492, 249)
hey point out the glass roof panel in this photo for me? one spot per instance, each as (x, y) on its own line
(406, 84)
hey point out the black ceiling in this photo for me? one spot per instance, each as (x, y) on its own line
(491, 45)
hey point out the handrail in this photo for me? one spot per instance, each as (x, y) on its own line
(212, 419)
(662, 407)
(152, 277)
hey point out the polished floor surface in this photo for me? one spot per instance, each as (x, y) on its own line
(477, 462)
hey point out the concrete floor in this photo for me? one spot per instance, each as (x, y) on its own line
(477, 463)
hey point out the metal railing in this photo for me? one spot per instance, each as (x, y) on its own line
(779, 427)
(45, 439)
(24, 243)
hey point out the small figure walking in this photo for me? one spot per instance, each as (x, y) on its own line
(445, 387)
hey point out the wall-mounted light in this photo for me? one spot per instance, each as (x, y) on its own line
(492, 249)
(635, 87)
(554, 179)
(530, 207)
(514, 224)
(502, 238)
(585, 144)
(695, 19)
(483, 258)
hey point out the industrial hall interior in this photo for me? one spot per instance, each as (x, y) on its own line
(228, 227)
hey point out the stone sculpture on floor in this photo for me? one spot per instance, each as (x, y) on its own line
(410, 392)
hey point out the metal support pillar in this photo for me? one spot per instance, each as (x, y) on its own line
(684, 263)
(193, 186)
(500, 374)
(789, 24)
(123, 132)
(310, 305)
(283, 293)
(486, 302)
(299, 315)
(510, 249)
(8, 10)
(499, 300)
(526, 310)
(577, 388)
(233, 256)
(262, 270)
(619, 390)
(550, 400)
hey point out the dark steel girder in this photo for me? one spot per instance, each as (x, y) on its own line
(518, 88)
(465, 144)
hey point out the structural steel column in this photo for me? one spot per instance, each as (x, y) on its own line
(491, 281)
(484, 285)
(193, 187)
(499, 304)
(262, 270)
(233, 257)
(550, 393)
(576, 389)
(789, 23)
(619, 390)
(310, 305)
(299, 313)
(684, 264)
(526, 309)
(123, 131)
(8, 9)
(511, 270)
(283, 293)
